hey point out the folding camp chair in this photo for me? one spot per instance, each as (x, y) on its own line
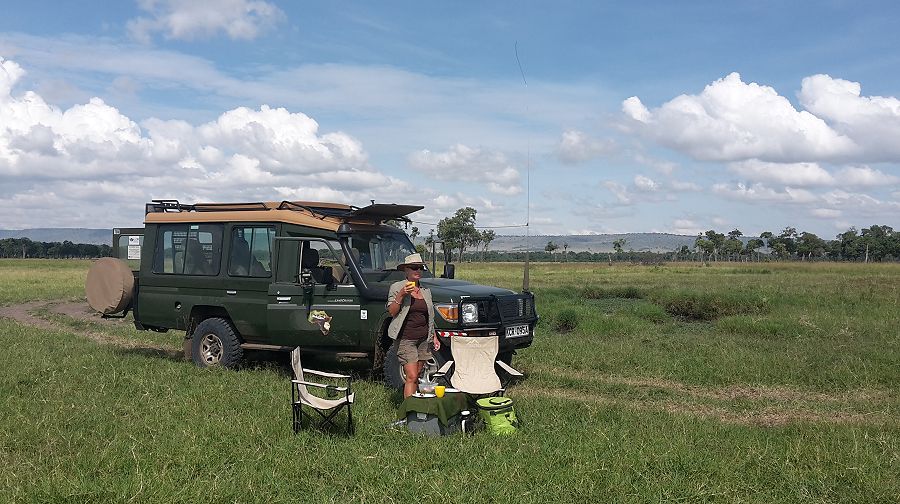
(325, 407)
(473, 364)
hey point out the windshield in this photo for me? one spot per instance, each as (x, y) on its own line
(379, 253)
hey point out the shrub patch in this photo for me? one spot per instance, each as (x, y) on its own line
(704, 306)
(624, 292)
(566, 320)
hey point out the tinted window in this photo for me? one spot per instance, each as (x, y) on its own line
(251, 251)
(188, 249)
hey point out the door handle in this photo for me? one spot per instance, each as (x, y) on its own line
(231, 292)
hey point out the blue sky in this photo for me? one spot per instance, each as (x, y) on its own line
(663, 116)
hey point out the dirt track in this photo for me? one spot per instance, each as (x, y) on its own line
(24, 314)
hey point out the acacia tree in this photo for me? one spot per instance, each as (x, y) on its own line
(752, 246)
(717, 240)
(458, 232)
(487, 236)
(550, 248)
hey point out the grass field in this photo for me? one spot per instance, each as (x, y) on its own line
(676, 383)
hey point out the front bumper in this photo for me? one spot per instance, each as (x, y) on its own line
(503, 316)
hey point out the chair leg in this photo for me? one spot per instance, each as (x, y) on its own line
(351, 430)
(295, 417)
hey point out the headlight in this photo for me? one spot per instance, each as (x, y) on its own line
(469, 313)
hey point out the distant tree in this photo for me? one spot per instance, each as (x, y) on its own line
(458, 232)
(753, 245)
(733, 245)
(566, 250)
(767, 236)
(487, 236)
(788, 238)
(413, 233)
(809, 245)
(619, 244)
(717, 240)
(550, 247)
(703, 246)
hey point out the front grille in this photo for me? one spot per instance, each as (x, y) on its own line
(516, 307)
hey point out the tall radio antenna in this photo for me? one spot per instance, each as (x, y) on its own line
(528, 181)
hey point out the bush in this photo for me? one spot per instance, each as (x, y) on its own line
(706, 306)
(566, 320)
(612, 292)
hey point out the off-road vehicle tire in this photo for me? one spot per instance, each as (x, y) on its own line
(215, 343)
(392, 370)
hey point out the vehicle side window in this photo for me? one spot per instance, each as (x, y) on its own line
(188, 249)
(332, 260)
(251, 251)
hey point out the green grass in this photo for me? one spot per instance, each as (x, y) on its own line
(785, 390)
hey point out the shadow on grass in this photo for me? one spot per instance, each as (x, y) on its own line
(153, 352)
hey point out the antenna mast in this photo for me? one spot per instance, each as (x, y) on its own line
(528, 184)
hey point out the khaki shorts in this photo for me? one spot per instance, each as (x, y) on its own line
(410, 351)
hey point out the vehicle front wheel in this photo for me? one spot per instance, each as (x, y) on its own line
(394, 377)
(215, 343)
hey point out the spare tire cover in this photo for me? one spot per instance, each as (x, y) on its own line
(109, 286)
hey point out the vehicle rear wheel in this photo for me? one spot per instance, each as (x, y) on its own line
(215, 343)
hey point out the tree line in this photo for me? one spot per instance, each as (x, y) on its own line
(25, 248)
(457, 237)
(874, 243)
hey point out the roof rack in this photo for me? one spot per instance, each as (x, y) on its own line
(375, 212)
(291, 205)
(165, 205)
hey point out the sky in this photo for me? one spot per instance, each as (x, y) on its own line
(573, 117)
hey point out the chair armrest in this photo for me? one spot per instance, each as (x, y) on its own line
(509, 370)
(319, 385)
(325, 375)
(446, 367)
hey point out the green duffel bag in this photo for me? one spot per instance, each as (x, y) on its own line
(498, 415)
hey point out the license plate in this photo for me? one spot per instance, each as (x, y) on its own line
(517, 331)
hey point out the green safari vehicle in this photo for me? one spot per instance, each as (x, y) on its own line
(277, 275)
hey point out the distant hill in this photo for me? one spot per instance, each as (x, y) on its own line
(74, 235)
(639, 242)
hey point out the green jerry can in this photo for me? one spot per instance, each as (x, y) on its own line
(498, 415)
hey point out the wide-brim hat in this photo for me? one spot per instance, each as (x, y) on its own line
(410, 260)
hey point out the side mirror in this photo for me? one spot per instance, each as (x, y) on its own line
(449, 271)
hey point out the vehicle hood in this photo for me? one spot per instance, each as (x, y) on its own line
(443, 289)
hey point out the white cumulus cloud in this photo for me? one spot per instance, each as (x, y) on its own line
(472, 164)
(189, 19)
(762, 193)
(793, 174)
(576, 147)
(645, 184)
(100, 165)
(732, 120)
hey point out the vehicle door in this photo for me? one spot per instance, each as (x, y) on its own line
(248, 277)
(183, 272)
(317, 305)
